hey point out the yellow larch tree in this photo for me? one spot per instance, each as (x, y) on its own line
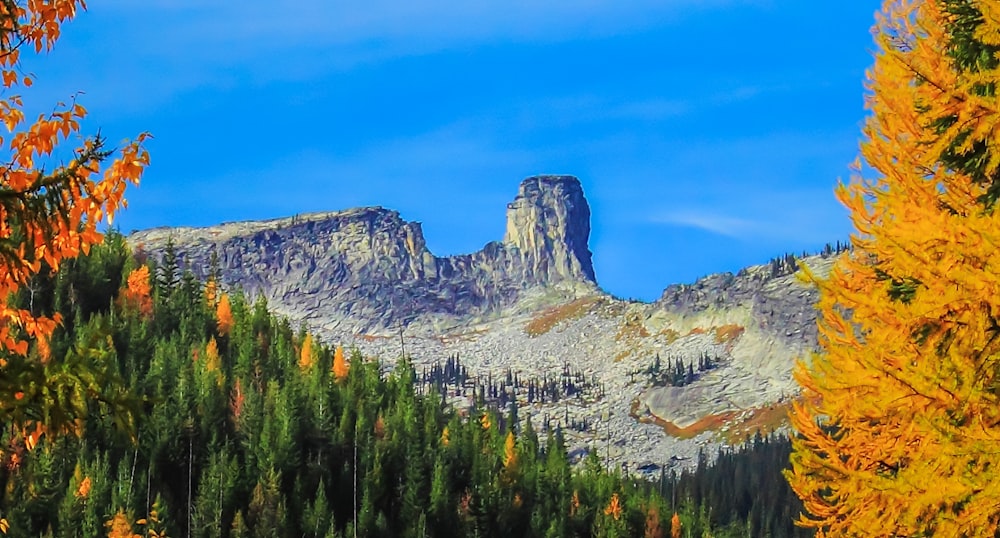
(120, 526)
(305, 353)
(213, 361)
(510, 463)
(53, 197)
(340, 366)
(614, 508)
(509, 452)
(211, 291)
(899, 422)
(224, 315)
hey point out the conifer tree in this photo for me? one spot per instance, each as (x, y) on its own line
(306, 353)
(340, 367)
(224, 315)
(900, 417)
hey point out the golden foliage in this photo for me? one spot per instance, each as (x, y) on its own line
(484, 421)
(632, 328)
(137, 294)
(728, 333)
(675, 526)
(550, 317)
(211, 292)
(444, 436)
(33, 434)
(340, 366)
(670, 335)
(901, 415)
(306, 354)
(614, 508)
(224, 315)
(509, 453)
(83, 490)
(120, 527)
(52, 197)
(154, 527)
(213, 362)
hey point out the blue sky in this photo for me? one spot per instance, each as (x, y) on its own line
(708, 134)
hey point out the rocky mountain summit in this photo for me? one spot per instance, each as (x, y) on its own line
(366, 269)
(647, 384)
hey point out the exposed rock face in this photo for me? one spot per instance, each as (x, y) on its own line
(548, 226)
(780, 306)
(367, 269)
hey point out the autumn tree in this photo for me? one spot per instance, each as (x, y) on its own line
(224, 315)
(306, 353)
(340, 367)
(137, 294)
(510, 453)
(52, 199)
(900, 416)
(653, 529)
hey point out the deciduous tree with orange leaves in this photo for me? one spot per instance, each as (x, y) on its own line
(224, 315)
(305, 353)
(56, 187)
(340, 366)
(137, 293)
(900, 420)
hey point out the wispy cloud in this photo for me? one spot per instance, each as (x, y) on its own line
(710, 222)
(785, 218)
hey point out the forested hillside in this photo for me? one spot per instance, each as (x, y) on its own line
(247, 426)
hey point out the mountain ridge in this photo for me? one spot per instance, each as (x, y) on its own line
(374, 269)
(530, 304)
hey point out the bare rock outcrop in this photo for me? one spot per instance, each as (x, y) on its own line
(780, 305)
(548, 226)
(367, 269)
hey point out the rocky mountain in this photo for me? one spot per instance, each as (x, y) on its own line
(647, 384)
(367, 269)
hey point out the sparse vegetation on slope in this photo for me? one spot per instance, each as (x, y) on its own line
(547, 319)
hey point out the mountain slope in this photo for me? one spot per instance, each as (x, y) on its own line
(528, 309)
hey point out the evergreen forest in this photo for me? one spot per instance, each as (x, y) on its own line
(244, 425)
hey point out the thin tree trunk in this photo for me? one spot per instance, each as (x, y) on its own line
(190, 466)
(355, 483)
(131, 477)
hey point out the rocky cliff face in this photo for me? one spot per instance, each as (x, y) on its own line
(548, 226)
(779, 305)
(367, 269)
